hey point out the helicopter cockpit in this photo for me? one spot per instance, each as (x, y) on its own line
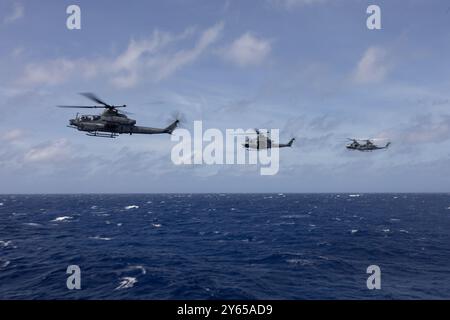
(89, 118)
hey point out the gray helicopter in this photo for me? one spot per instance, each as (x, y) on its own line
(365, 145)
(111, 122)
(264, 142)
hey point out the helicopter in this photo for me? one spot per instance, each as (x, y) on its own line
(264, 142)
(111, 122)
(365, 145)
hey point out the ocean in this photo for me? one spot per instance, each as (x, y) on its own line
(225, 246)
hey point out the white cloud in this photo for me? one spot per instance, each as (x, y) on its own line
(17, 13)
(295, 3)
(53, 151)
(13, 135)
(155, 58)
(425, 129)
(247, 50)
(52, 72)
(372, 67)
(184, 57)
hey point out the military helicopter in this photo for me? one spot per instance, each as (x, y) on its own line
(264, 142)
(111, 122)
(365, 145)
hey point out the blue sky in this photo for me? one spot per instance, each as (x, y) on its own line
(308, 67)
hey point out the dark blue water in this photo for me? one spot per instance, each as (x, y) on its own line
(213, 246)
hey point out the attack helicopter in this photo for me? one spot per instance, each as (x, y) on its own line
(365, 145)
(111, 122)
(262, 141)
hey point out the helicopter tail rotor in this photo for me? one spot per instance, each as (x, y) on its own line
(177, 119)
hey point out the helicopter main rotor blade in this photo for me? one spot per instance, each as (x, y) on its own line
(126, 112)
(94, 98)
(83, 107)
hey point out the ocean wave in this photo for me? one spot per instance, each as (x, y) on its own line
(138, 267)
(301, 262)
(100, 238)
(5, 244)
(62, 219)
(32, 224)
(133, 206)
(228, 252)
(4, 264)
(126, 282)
(295, 216)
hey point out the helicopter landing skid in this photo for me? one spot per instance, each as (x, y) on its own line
(111, 135)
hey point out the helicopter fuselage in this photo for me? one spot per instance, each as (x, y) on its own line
(265, 143)
(113, 124)
(365, 147)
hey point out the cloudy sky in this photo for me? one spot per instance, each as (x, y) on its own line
(308, 67)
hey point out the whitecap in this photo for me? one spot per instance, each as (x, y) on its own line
(143, 270)
(354, 195)
(131, 207)
(127, 282)
(404, 231)
(33, 224)
(94, 207)
(63, 218)
(283, 223)
(1, 203)
(302, 262)
(386, 230)
(101, 214)
(5, 243)
(119, 224)
(4, 264)
(294, 216)
(100, 238)
(156, 225)
(354, 231)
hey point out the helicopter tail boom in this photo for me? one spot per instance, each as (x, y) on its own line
(289, 144)
(172, 127)
(147, 130)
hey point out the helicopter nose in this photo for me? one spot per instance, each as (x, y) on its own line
(72, 121)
